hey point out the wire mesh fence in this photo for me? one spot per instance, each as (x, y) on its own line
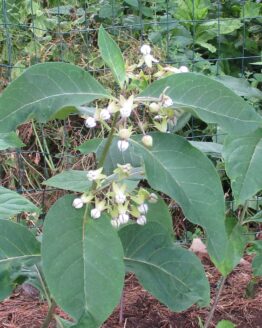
(215, 38)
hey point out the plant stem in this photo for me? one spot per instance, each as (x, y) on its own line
(121, 310)
(212, 311)
(108, 142)
(243, 213)
(50, 314)
(43, 284)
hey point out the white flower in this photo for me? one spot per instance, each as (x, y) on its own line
(123, 218)
(172, 69)
(158, 118)
(93, 175)
(167, 101)
(120, 197)
(95, 213)
(115, 223)
(90, 122)
(149, 59)
(126, 107)
(183, 69)
(78, 203)
(141, 220)
(125, 133)
(143, 208)
(122, 145)
(145, 49)
(104, 115)
(153, 198)
(147, 140)
(126, 168)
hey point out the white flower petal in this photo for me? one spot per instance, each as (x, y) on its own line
(90, 122)
(122, 145)
(95, 213)
(145, 49)
(78, 203)
(141, 220)
(143, 208)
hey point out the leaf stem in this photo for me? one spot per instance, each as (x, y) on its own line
(50, 314)
(212, 311)
(43, 284)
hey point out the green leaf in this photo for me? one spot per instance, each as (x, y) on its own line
(225, 324)
(159, 213)
(257, 265)
(243, 158)
(256, 218)
(74, 180)
(179, 170)
(209, 100)
(17, 244)
(10, 140)
(63, 323)
(11, 203)
(90, 146)
(44, 89)
(112, 56)
(86, 255)
(172, 274)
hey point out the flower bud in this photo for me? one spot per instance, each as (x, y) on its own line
(149, 59)
(125, 133)
(90, 122)
(143, 208)
(147, 140)
(122, 145)
(78, 203)
(123, 218)
(86, 198)
(152, 198)
(126, 106)
(95, 213)
(120, 197)
(104, 115)
(154, 107)
(141, 220)
(115, 223)
(183, 69)
(145, 49)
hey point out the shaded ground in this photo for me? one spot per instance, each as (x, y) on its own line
(141, 310)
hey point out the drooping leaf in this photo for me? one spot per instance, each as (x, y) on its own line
(235, 245)
(87, 256)
(6, 284)
(10, 140)
(17, 244)
(74, 180)
(11, 203)
(44, 89)
(243, 158)
(209, 100)
(210, 148)
(257, 265)
(172, 274)
(112, 56)
(182, 172)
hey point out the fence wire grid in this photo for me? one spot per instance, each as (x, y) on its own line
(211, 37)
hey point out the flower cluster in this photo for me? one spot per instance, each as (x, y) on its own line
(122, 205)
(113, 195)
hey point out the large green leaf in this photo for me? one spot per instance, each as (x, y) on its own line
(172, 274)
(209, 100)
(112, 56)
(17, 244)
(10, 140)
(74, 180)
(6, 284)
(43, 89)
(257, 265)
(11, 203)
(243, 160)
(82, 262)
(182, 172)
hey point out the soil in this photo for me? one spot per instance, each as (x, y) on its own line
(141, 310)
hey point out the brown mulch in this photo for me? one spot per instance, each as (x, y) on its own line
(141, 310)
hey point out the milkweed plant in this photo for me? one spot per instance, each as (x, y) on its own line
(115, 220)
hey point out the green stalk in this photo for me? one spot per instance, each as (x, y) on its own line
(108, 142)
(243, 213)
(50, 315)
